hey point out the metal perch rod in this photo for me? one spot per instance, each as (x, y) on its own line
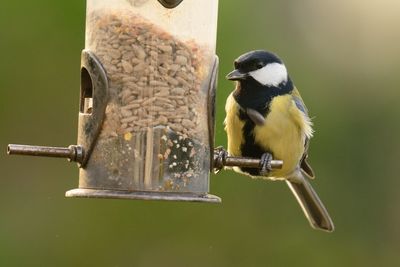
(75, 153)
(250, 162)
(223, 159)
(72, 153)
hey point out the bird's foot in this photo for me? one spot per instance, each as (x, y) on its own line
(220, 154)
(265, 164)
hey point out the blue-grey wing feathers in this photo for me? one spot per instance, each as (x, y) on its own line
(304, 165)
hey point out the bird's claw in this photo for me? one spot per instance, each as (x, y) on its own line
(220, 155)
(265, 164)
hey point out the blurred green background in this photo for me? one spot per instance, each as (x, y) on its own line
(343, 55)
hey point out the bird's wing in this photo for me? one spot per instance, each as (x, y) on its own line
(299, 101)
(304, 165)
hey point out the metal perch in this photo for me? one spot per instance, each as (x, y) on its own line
(72, 153)
(75, 153)
(222, 159)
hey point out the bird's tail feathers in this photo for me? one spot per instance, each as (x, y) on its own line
(310, 203)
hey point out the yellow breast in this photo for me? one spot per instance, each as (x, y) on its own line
(233, 127)
(284, 133)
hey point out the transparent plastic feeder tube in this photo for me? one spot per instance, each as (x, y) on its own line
(159, 63)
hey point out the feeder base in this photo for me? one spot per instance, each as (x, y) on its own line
(119, 194)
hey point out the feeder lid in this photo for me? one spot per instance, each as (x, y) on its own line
(170, 3)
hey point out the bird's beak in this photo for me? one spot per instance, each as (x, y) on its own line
(236, 75)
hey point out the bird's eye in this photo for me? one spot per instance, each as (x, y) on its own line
(259, 65)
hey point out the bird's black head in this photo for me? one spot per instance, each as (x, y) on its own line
(261, 76)
(264, 67)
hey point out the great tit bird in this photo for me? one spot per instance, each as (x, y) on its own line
(266, 117)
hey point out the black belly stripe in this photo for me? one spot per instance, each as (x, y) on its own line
(251, 94)
(249, 148)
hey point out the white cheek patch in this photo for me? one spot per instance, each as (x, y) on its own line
(271, 74)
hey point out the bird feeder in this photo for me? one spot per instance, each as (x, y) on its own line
(147, 99)
(146, 113)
